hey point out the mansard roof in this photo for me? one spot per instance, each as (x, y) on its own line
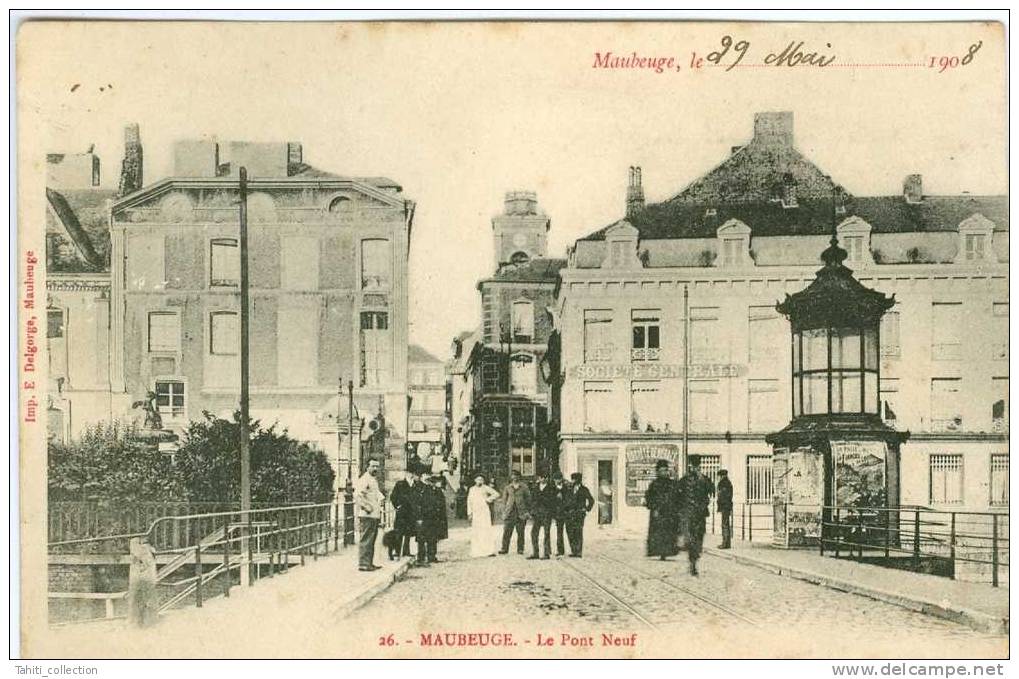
(886, 214)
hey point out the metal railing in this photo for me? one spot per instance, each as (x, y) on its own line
(750, 521)
(216, 550)
(973, 545)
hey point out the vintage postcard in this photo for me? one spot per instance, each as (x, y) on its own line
(518, 339)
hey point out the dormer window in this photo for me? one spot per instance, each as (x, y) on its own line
(621, 247)
(854, 238)
(975, 234)
(734, 245)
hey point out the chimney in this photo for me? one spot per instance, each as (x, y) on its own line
(774, 128)
(634, 192)
(912, 188)
(131, 167)
(295, 156)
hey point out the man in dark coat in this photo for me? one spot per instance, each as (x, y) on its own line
(545, 504)
(431, 520)
(695, 491)
(577, 502)
(662, 500)
(404, 502)
(724, 500)
(516, 509)
(557, 515)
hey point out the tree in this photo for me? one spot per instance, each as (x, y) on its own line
(110, 463)
(283, 470)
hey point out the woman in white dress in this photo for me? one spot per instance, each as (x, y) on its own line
(479, 499)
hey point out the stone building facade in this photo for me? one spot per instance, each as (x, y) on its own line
(77, 301)
(735, 242)
(509, 427)
(426, 387)
(328, 278)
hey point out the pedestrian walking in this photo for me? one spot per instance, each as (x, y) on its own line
(516, 509)
(695, 491)
(545, 504)
(404, 502)
(662, 501)
(577, 502)
(479, 500)
(558, 517)
(368, 499)
(724, 506)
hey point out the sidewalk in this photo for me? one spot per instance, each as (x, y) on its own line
(281, 616)
(978, 606)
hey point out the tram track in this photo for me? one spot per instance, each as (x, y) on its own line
(680, 588)
(609, 594)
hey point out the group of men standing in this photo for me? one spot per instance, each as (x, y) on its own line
(679, 508)
(545, 502)
(420, 504)
(420, 513)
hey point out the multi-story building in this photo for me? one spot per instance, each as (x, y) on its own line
(460, 391)
(77, 302)
(426, 385)
(509, 420)
(712, 262)
(328, 283)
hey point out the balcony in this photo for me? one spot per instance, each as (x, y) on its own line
(599, 354)
(645, 354)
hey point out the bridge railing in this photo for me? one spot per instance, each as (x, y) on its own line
(202, 554)
(957, 544)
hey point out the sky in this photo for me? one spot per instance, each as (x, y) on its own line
(461, 113)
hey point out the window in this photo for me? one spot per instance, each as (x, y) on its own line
(706, 344)
(890, 346)
(759, 479)
(710, 464)
(170, 399)
(999, 331)
(376, 263)
(56, 343)
(649, 411)
(225, 263)
(376, 354)
(999, 404)
(705, 405)
(598, 406)
(597, 336)
(854, 247)
(340, 204)
(523, 374)
(224, 333)
(889, 399)
(946, 404)
(945, 479)
(523, 322)
(766, 331)
(947, 321)
(732, 251)
(999, 480)
(490, 376)
(522, 458)
(765, 410)
(164, 331)
(646, 336)
(976, 244)
(519, 258)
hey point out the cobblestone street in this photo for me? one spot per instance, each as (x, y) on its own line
(729, 610)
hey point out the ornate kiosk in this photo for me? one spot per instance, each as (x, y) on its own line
(836, 451)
